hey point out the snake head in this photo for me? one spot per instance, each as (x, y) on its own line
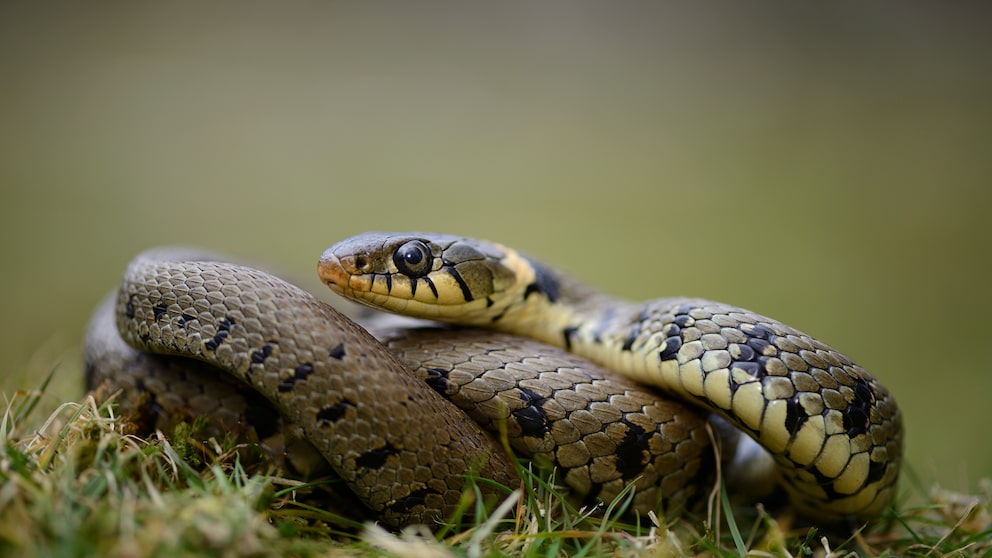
(423, 275)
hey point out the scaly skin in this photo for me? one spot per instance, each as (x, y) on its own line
(834, 431)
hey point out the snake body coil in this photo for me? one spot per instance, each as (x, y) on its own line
(834, 431)
(360, 407)
(307, 373)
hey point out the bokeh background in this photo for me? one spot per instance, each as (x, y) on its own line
(827, 164)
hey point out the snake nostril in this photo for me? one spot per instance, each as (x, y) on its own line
(361, 263)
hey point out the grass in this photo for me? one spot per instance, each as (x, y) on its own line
(75, 483)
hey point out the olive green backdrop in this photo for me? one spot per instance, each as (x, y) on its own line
(825, 165)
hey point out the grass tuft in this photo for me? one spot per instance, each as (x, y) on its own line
(76, 483)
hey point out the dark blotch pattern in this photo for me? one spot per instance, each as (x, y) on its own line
(300, 374)
(337, 351)
(632, 451)
(411, 502)
(856, 415)
(223, 330)
(532, 419)
(635, 331)
(159, 310)
(671, 350)
(568, 333)
(437, 379)
(258, 356)
(876, 471)
(334, 413)
(795, 415)
(375, 458)
(544, 283)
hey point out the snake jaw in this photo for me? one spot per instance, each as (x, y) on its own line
(337, 273)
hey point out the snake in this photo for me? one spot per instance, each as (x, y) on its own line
(614, 394)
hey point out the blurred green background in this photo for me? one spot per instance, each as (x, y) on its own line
(825, 164)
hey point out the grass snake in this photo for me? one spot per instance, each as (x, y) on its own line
(594, 385)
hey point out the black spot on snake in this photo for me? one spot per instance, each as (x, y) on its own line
(415, 499)
(856, 415)
(544, 282)
(628, 343)
(389, 282)
(683, 320)
(795, 415)
(258, 356)
(336, 352)
(437, 379)
(334, 413)
(631, 451)
(223, 330)
(466, 291)
(671, 350)
(300, 374)
(303, 371)
(129, 309)
(533, 420)
(876, 471)
(567, 333)
(863, 392)
(185, 319)
(159, 310)
(375, 458)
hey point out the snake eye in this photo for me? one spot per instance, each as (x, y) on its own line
(413, 259)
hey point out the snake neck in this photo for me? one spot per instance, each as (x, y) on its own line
(550, 306)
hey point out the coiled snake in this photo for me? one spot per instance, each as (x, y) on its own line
(834, 432)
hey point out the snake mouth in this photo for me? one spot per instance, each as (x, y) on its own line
(332, 273)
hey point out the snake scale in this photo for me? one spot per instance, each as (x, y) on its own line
(385, 413)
